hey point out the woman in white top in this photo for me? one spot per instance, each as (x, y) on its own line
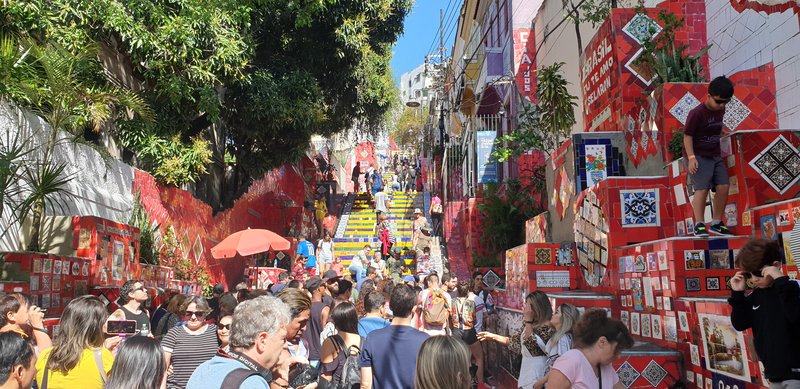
(564, 318)
(325, 252)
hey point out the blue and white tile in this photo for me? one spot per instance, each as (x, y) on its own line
(681, 109)
(640, 207)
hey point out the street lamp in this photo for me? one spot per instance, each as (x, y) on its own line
(412, 104)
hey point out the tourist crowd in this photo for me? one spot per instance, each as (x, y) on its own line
(326, 332)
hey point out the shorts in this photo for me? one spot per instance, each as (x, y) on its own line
(711, 171)
(325, 259)
(469, 336)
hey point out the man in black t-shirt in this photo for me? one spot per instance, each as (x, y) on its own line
(707, 169)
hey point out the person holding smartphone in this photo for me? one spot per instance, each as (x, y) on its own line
(767, 301)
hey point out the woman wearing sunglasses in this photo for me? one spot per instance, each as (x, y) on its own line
(224, 332)
(187, 346)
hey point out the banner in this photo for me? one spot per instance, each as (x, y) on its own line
(487, 169)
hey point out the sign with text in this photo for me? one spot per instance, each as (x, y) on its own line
(524, 62)
(599, 78)
(487, 169)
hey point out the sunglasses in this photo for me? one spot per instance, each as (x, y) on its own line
(197, 314)
(756, 273)
(223, 326)
(721, 101)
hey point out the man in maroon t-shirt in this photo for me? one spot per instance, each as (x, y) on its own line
(707, 170)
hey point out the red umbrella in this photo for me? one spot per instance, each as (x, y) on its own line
(249, 242)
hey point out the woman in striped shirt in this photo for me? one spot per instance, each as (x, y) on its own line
(187, 346)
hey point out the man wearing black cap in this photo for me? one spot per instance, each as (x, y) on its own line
(331, 280)
(213, 302)
(317, 320)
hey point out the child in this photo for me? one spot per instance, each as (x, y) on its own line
(707, 170)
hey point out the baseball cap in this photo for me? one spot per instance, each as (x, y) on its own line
(408, 279)
(313, 284)
(417, 211)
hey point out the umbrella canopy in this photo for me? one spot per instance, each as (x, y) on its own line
(249, 242)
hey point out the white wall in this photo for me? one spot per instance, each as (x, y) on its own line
(99, 187)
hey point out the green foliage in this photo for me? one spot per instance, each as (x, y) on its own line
(408, 128)
(676, 144)
(504, 214)
(199, 61)
(543, 126)
(45, 187)
(668, 62)
(13, 152)
(148, 252)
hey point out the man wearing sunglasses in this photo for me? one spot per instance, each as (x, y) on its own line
(702, 152)
(133, 294)
(768, 302)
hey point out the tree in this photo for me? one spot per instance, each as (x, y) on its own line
(408, 129)
(544, 126)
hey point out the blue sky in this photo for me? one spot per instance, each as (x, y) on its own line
(421, 26)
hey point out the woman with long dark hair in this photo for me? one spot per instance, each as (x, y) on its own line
(78, 358)
(337, 348)
(139, 365)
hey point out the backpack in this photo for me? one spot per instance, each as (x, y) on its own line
(435, 310)
(351, 372)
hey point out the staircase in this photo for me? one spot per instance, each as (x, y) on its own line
(357, 224)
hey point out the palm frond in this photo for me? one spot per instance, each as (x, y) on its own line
(46, 186)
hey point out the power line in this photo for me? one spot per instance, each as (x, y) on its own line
(436, 36)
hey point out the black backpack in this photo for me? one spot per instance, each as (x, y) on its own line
(351, 372)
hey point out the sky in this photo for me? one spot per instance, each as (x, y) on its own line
(421, 27)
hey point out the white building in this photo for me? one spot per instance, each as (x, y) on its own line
(415, 85)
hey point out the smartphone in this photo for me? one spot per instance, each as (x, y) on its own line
(116, 327)
(301, 375)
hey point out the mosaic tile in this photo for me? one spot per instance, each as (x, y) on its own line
(641, 28)
(491, 279)
(712, 283)
(628, 374)
(543, 257)
(654, 373)
(640, 208)
(778, 164)
(681, 109)
(693, 284)
(642, 72)
(735, 113)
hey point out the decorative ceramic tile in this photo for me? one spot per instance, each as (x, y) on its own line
(681, 109)
(654, 373)
(655, 319)
(552, 279)
(735, 113)
(646, 325)
(670, 329)
(635, 324)
(640, 207)
(197, 249)
(627, 374)
(596, 159)
(642, 28)
(544, 256)
(693, 284)
(778, 164)
(731, 215)
(491, 279)
(712, 283)
(642, 72)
